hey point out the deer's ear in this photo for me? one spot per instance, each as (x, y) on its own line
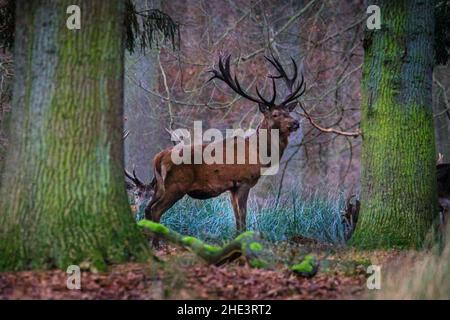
(291, 106)
(263, 108)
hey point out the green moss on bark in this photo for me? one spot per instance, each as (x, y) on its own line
(63, 195)
(398, 187)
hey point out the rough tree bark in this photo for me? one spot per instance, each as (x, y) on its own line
(398, 185)
(63, 198)
(441, 113)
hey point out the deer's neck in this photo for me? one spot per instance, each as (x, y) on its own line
(282, 141)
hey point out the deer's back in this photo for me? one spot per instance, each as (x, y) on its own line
(203, 180)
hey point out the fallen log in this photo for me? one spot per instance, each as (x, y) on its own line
(247, 245)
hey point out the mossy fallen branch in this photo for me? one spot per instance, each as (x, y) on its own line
(247, 244)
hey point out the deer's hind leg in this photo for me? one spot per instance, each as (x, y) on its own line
(239, 198)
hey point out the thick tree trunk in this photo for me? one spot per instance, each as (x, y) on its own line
(63, 197)
(398, 187)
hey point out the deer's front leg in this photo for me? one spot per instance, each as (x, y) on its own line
(239, 198)
(156, 209)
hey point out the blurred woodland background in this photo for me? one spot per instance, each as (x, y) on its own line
(167, 89)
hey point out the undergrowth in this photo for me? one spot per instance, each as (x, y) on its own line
(296, 214)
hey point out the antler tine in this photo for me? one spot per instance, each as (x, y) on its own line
(290, 82)
(282, 73)
(274, 96)
(274, 90)
(129, 176)
(294, 78)
(236, 86)
(224, 74)
(241, 91)
(217, 74)
(226, 70)
(137, 179)
(296, 93)
(133, 177)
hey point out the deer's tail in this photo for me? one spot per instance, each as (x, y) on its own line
(159, 173)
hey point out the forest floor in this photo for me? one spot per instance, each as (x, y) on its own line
(179, 274)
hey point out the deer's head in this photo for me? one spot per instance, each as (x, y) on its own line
(142, 192)
(276, 115)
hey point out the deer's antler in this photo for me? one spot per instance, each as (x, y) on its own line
(134, 178)
(224, 74)
(295, 89)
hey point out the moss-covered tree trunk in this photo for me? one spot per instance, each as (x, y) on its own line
(63, 199)
(398, 187)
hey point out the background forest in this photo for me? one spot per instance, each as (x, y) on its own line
(377, 123)
(326, 38)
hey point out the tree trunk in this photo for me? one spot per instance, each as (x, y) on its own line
(398, 185)
(63, 198)
(6, 75)
(441, 113)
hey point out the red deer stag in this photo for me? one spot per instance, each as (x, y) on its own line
(202, 181)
